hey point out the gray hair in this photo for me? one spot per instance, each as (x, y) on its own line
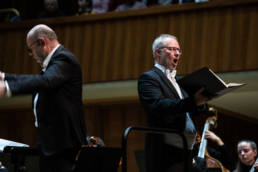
(160, 42)
(252, 143)
(42, 30)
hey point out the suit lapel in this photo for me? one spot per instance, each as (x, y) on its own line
(165, 80)
(56, 53)
(184, 94)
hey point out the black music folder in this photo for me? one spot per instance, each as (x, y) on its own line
(205, 77)
(100, 159)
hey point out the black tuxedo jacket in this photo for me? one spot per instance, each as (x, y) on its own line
(162, 103)
(164, 109)
(59, 107)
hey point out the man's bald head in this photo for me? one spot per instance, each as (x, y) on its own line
(41, 40)
(42, 30)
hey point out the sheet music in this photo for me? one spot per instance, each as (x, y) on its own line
(4, 143)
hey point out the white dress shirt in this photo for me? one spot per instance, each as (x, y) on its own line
(190, 133)
(44, 66)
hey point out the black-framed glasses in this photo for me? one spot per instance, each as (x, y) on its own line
(29, 49)
(174, 49)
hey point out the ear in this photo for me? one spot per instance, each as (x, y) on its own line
(255, 152)
(157, 51)
(41, 42)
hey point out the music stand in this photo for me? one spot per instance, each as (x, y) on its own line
(100, 159)
(18, 156)
(18, 152)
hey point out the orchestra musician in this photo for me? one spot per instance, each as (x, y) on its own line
(247, 155)
(216, 155)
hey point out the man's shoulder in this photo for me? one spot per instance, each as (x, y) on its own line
(64, 54)
(62, 50)
(153, 73)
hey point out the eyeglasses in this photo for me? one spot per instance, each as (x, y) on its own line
(29, 49)
(174, 49)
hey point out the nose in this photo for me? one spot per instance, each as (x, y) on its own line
(242, 153)
(176, 54)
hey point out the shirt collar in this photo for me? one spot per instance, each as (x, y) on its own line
(167, 72)
(47, 59)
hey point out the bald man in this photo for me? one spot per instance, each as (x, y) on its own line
(57, 99)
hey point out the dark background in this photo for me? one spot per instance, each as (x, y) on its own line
(30, 9)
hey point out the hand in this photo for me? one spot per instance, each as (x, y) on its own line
(199, 164)
(213, 137)
(199, 98)
(1, 76)
(256, 165)
(2, 89)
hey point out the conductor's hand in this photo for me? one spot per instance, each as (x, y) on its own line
(199, 98)
(2, 89)
(1, 76)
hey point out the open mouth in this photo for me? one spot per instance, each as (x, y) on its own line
(175, 60)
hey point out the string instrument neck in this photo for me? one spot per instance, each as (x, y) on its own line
(253, 169)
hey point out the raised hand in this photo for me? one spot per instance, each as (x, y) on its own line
(1, 76)
(2, 89)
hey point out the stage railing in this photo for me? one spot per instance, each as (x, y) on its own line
(149, 130)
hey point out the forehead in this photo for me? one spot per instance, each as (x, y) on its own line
(244, 145)
(171, 42)
(29, 39)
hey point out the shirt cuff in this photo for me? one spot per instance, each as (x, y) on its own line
(8, 91)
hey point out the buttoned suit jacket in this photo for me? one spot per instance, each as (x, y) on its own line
(164, 109)
(59, 108)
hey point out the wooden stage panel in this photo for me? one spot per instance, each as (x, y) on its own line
(117, 45)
